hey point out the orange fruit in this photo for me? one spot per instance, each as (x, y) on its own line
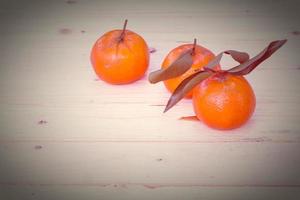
(120, 56)
(224, 101)
(201, 57)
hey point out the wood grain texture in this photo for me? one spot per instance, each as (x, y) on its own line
(65, 134)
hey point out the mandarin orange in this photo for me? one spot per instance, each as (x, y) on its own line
(120, 56)
(224, 101)
(201, 57)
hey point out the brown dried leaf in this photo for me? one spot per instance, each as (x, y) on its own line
(210, 66)
(185, 86)
(177, 68)
(251, 64)
(189, 118)
(238, 56)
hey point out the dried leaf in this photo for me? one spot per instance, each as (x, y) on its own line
(238, 56)
(251, 64)
(189, 118)
(210, 66)
(177, 68)
(185, 86)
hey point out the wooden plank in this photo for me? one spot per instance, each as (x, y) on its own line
(136, 192)
(156, 164)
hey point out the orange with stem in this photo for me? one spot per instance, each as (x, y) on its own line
(200, 57)
(120, 56)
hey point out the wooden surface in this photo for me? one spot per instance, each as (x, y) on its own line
(98, 141)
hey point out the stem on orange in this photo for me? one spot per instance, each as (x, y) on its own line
(121, 38)
(194, 46)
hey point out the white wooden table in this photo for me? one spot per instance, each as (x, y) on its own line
(64, 134)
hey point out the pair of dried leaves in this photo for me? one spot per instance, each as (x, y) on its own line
(185, 61)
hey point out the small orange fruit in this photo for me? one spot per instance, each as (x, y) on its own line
(201, 57)
(224, 101)
(120, 56)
